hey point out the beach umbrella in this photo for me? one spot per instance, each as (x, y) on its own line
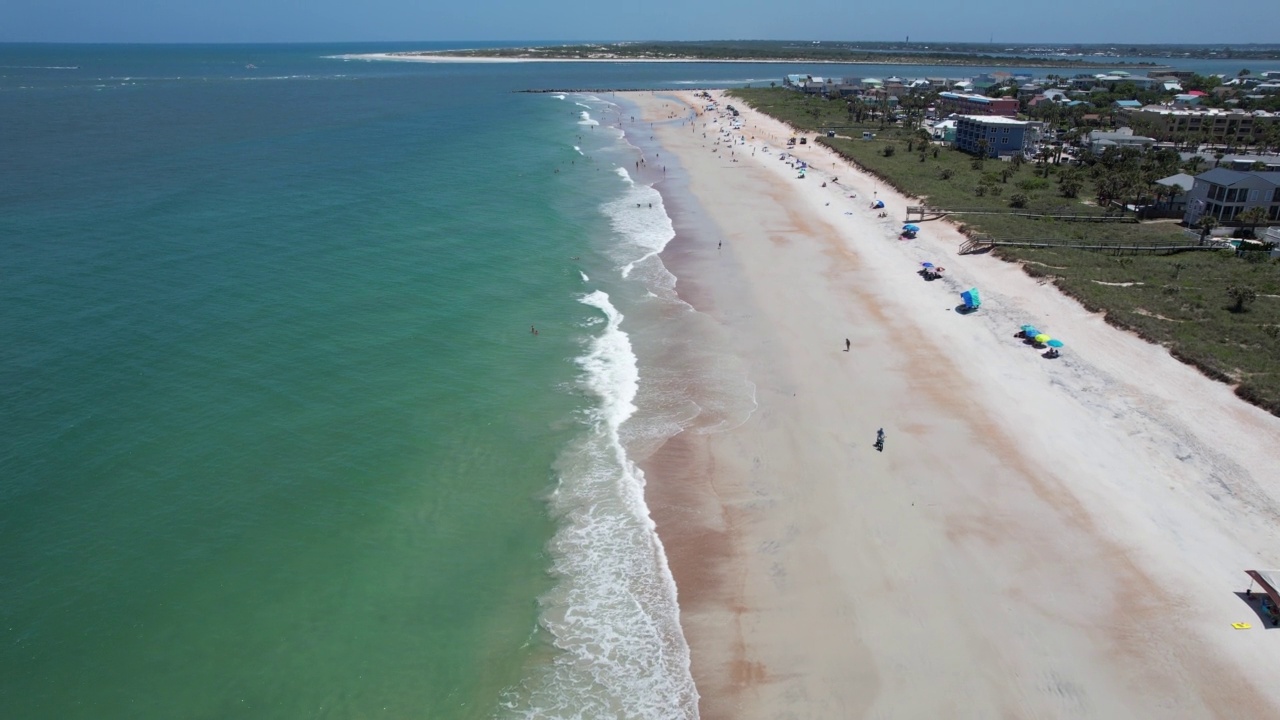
(911, 228)
(1041, 338)
(971, 298)
(879, 204)
(1054, 343)
(928, 265)
(1030, 330)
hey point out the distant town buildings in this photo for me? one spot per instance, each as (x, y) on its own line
(1210, 124)
(966, 104)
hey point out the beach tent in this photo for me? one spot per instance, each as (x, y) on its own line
(1269, 580)
(972, 300)
(879, 204)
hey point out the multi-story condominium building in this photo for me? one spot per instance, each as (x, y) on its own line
(964, 104)
(1002, 135)
(1225, 194)
(1217, 126)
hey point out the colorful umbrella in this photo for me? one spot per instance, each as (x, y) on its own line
(1054, 343)
(1041, 338)
(1030, 330)
(911, 228)
(971, 298)
(928, 265)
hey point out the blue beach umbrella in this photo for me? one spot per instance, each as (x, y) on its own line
(1030, 330)
(1055, 343)
(928, 265)
(971, 298)
(911, 228)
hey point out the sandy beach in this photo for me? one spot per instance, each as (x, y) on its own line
(1047, 538)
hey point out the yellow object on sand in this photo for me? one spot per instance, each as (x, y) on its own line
(1042, 338)
(1241, 626)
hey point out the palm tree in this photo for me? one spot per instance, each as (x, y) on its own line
(1207, 223)
(1193, 164)
(1253, 217)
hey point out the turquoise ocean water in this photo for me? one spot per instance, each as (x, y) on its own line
(277, 441)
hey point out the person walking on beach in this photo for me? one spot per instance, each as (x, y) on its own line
(846, 344)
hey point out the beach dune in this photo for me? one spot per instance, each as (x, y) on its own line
(1038, 538)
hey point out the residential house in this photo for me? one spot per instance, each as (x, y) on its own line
(1186, 100)
(1122, 137)
(996, 135)
(1247, 162)
(1225, 194)
(945, 131)
(1182, 180)
(1128, 104)
(965, 104)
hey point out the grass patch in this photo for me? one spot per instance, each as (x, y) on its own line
(1181, 302)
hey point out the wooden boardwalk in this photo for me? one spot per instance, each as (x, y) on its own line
(921, 213)
(982, 243)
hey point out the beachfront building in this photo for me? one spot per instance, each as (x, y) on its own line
(995, 136)
(966, 104)
(1225, 194)
(1211, 124)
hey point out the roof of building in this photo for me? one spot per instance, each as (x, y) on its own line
(1266, 159)
(1128, 137)
(1129, 103)
(1223, 176)
(993, 120)
(1183, 179)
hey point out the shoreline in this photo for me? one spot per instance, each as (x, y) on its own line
(1037, 539)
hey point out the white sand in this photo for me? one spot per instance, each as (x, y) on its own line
(1040, 538)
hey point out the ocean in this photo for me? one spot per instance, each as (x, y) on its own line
(278, 437)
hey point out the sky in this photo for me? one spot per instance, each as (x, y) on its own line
(244, 21)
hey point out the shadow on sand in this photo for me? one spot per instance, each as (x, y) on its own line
(1267, 619)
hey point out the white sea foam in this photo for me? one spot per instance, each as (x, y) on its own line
(559, 97)
(575, 147)
(613, 614)
(584, 276)
(585, 119)
(641, 220)
(582, 105)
